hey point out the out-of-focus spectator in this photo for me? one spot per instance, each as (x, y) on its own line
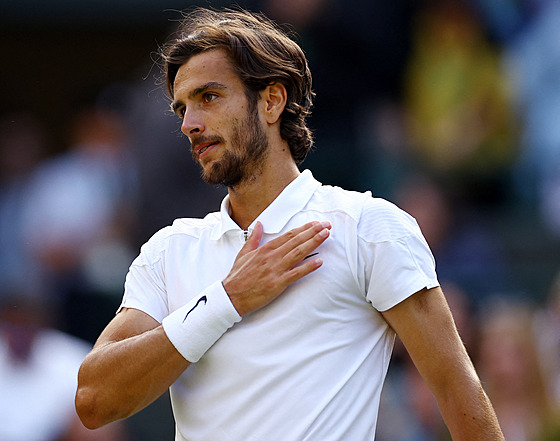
(22, 146)
(533, 60)
(38, 377)
(76, 197)
(79, 217)
(510, 368)
(384, 147)
(465, 249)
(503, 19)
(461, 122)
(547, 332)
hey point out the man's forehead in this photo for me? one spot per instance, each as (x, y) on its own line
(213, 65)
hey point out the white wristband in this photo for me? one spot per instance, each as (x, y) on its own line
(196, 326)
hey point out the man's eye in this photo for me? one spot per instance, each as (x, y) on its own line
(209, 97)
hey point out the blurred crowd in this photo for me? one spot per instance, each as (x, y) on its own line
(448, 108)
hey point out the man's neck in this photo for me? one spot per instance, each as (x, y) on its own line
(251, 198)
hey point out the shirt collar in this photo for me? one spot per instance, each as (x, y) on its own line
(292, 200)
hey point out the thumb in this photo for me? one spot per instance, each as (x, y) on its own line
(253, 241)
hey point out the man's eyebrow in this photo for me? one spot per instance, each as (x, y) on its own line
(199, 90)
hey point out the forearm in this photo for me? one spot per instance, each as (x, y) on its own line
(119, 378)
(468, 413)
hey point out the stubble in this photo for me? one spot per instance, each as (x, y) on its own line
(244, 160)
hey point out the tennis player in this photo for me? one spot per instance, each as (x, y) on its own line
(273, 318)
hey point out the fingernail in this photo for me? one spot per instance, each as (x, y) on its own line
(324, 233)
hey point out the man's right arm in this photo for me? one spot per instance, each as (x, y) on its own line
(132, 364)
(134, 361)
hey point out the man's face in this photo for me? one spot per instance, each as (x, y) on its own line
(226, 134)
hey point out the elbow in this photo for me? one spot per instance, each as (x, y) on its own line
(89, 411)
(86, 410)
(92, 403)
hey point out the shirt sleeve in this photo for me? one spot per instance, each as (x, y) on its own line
(145, 287)
(397, 261)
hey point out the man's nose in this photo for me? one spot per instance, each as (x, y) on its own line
(192, 123)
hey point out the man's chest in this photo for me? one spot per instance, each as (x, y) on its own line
(328, 295)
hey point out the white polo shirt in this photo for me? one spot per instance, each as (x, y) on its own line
(311, 364)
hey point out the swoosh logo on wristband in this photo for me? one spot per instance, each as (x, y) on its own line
(202, 299)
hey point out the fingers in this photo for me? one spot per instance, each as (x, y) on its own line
(306, 229)
(300, 246)
(298, 252)
(300, 271)
(260, 273)
(291, 248)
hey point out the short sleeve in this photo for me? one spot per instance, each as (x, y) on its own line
(397, 261)
(145, 287)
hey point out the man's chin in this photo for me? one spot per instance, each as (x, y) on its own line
(216, 175)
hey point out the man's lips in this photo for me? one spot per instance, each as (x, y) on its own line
(201, 148)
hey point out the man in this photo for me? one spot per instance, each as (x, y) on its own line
(275, 318)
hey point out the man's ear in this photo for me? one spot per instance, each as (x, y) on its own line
(274, 98)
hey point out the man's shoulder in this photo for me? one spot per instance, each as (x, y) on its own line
(192, 225)
(180, 229)
(329, 198)
(354, 203)
(383, 221)
(377, 219)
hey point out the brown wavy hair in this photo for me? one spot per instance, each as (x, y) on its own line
(261, 54)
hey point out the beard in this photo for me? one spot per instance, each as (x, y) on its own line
(244, 161)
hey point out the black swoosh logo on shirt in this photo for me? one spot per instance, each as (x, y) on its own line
(202, 299)
(311, 255)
